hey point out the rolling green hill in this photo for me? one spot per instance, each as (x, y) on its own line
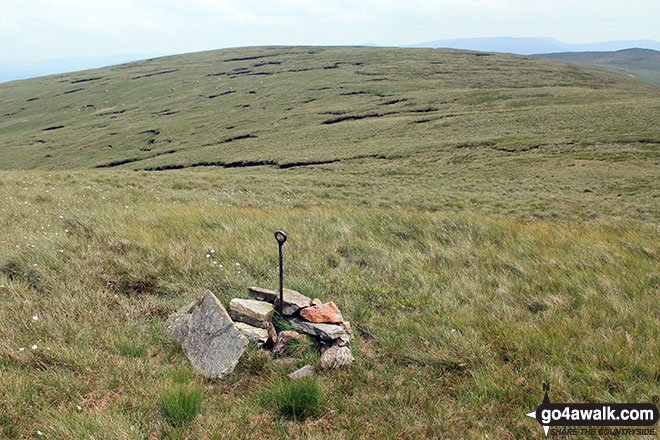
(284, 106)
(643, 64)
(486, 222)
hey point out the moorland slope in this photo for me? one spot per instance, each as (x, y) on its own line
(283, 106)
(486, 222)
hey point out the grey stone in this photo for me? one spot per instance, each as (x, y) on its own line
(263, 294)
(272, 333)
(239, 317)
(347, 327)
(336, 356)
(323, 331)
(293, 301)
(255, 334)
(250, 311)
(305, 371)
(208, 336)
(259, 310)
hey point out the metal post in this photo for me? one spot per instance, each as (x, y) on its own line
(280, 236)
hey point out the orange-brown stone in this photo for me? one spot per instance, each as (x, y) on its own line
(322, 313)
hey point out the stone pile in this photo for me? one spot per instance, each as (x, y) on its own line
(254, 319)
(322, 321)
(214, 340)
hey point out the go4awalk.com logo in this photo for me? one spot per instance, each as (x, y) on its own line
(611, 419)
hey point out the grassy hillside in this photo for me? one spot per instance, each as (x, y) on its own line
(643, 64)
(286, 105)
(486, 222)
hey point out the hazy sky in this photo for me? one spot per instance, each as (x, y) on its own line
(46, 29)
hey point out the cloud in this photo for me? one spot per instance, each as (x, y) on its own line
(37, 28)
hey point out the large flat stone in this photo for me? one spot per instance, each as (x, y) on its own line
(293, 301)
(253, 312)
(323, 331)
(263, 294)
(239, 317)
(208, 336)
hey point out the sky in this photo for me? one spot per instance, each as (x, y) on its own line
(34, 30)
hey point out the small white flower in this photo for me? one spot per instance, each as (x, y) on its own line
(35, 318)
(35, 264)
(212, 251)
(238, 264)
(220, 265)
(61, 250)
(39, 432)
(21, 349)
(453, 330)
(34, 347)
(79, 407)
(208, 255)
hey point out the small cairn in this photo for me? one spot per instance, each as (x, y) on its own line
(322, 321)
(214, 340)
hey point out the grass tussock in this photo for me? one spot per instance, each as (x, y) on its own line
(131, 348)
(181, 403)
(296, 400)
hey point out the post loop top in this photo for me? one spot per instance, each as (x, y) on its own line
(280, 236)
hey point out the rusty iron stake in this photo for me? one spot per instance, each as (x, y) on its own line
(280, 236)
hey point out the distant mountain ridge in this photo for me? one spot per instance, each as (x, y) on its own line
(643, 64)
(530, 46)
(11, 70)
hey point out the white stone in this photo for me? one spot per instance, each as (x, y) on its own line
(337, 356)
(305, 371)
